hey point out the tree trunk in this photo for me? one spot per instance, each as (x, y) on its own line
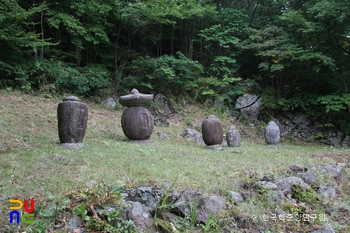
(159, 47)
(172, 39)
(253, 14)
(116, 74)
(42, 34)
(78, 52)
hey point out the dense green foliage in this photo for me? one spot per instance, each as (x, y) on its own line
(296, 53)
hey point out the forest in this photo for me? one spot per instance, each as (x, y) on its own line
(294, 53)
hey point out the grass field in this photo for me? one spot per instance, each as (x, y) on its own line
(33, 165)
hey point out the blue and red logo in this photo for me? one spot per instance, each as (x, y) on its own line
(16, 205)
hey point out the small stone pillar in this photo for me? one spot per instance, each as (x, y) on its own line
(212, 131)
(272, 133)
(137, 121)
(233, 137)
(72, 116)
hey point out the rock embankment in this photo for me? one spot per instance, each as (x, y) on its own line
(290, 198)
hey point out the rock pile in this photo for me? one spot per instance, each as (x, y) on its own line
(301, 126)
(320, 182)
(162, 110)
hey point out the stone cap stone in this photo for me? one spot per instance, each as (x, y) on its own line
(135, 98)
(71, 98)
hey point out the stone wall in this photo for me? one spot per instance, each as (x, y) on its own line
(308, 129)
(304, 187)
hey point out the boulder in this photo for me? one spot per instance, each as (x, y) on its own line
(163, 135)
(140, 216)
(300, 119)
(326, 229)
(334, 171)
(162, 110)
(236, 197)
(274, 197)
(193, 135)
(111, 102)
(286, 186)
(296, 124)
(328, 191)
(161, 121)
(295, 168)
(187, 200)
(309, 177)
(249, 105)
(191, 200)
(146, 195)
(346, 142)
(208, 205)
(164, 106)
(332, 138)
(267, 185)
(75, 224)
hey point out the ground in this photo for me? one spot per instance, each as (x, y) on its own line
(34, 166)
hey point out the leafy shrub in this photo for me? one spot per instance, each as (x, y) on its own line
(15, 75)
(234, 90)
(166, 74)
(83, 80)
(335, 102)
(34, 75)
(205, 87)
(29, 75)
(305, 102)
(85, 202)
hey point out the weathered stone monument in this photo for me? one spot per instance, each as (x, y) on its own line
(72, 116)
(233, 137)
(272, 133)
(137, 121)
(212, 131)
